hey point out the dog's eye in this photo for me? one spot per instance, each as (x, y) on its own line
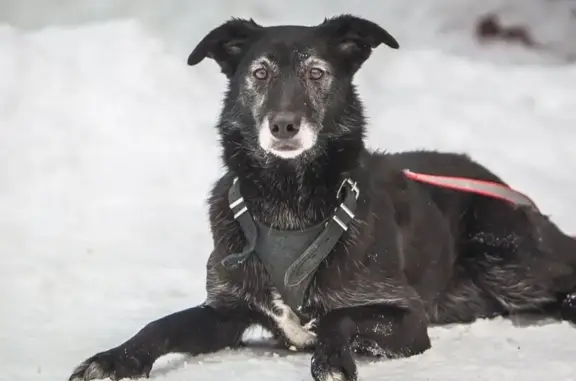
(260, 74)
(315, 73)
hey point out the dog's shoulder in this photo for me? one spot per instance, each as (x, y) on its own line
(394, 207)
(241, 284)
(226, 233)
(219, 208)
(366, 266)
(398, 234)
(386, 188)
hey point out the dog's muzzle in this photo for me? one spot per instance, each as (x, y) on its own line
(286, 135)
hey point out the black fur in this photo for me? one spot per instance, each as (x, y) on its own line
(416, 255)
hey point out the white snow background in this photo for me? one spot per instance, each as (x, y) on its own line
(108, 151)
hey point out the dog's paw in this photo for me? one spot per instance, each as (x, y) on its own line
(116, 364)
(333, 363)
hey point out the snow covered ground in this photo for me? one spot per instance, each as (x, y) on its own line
(107, 153)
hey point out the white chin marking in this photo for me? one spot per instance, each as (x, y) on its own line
(334, 376)
(291, 154)
(304, 139)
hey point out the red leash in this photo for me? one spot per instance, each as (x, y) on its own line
(481, 187)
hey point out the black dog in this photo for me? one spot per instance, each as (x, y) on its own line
(332, 248)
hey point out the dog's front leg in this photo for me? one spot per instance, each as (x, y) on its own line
(197, 330)
(380, 330)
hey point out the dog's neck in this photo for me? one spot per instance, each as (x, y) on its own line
(295, 194)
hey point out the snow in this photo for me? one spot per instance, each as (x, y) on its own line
(108, 151)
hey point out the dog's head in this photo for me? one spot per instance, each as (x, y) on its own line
(290, 87)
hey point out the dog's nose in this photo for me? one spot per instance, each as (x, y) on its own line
(285, 125)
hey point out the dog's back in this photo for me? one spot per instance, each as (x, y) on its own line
(506, 258)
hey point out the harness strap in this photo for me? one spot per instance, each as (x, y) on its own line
(299, 275)
(481, 187)
(309, 261)
(247, 224)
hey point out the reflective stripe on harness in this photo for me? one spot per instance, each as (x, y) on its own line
(481, 187)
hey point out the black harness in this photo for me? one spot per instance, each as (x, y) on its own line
(291, 257)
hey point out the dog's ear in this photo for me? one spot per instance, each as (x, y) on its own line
(354, 37)
(226, 44)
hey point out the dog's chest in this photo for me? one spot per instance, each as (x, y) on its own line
(254, 284)
(277, 251)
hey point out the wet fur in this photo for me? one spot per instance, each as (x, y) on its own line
(415, 256)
